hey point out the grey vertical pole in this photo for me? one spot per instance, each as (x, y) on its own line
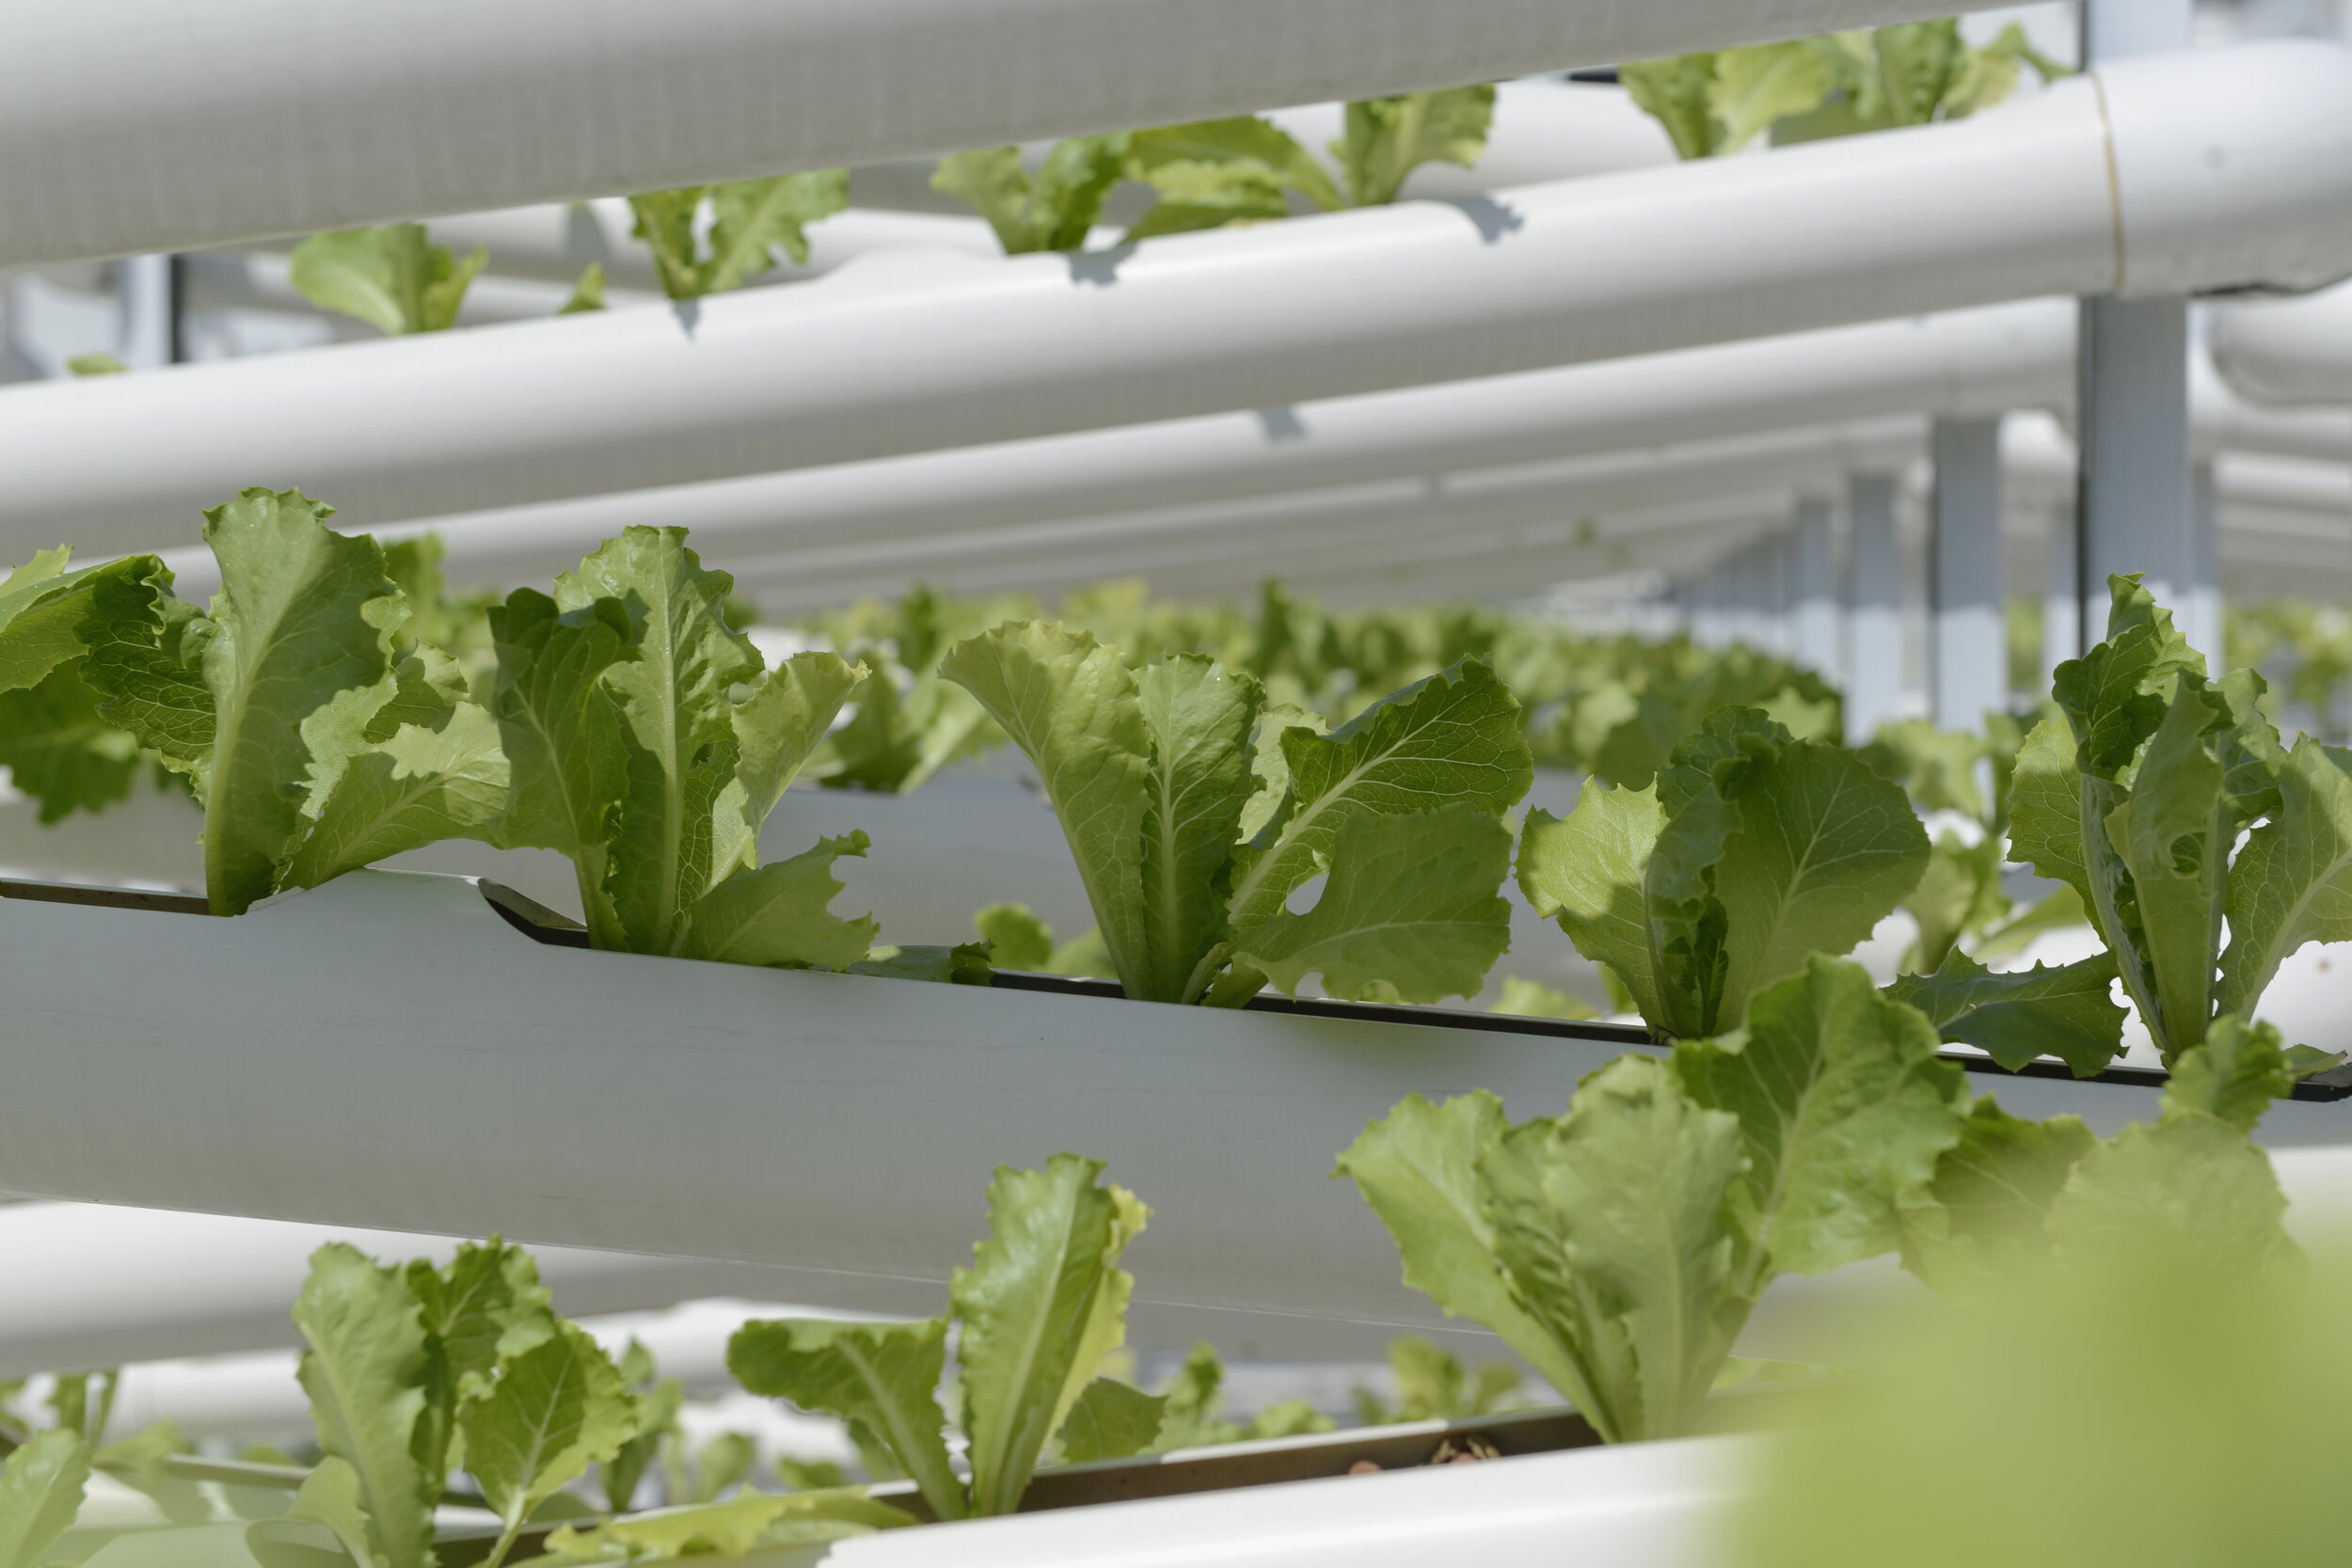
(143, 286)
(1968, 643)
(1816, 630)
(2134, 510)
(2201, 604)
(2062, 603)
(1874, 610)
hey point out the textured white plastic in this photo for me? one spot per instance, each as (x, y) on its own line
(2290, 351)
(386, 1051)
(919, 352)
(240, 119)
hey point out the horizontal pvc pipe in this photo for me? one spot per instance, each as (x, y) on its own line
(97, 1286)
(423, 106)
(902, 354)
(1963, 363)
(386, 1051)
(2287, 351)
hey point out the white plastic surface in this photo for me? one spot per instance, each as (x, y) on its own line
(910, 353)
(2289, 350)
(386, 1051)
(1641, 1505)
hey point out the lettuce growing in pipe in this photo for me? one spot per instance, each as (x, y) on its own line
(58, 747)
(1042, 1303)
(2138, 796)
(1619, 1246)
(630, 755)
(1194, 811)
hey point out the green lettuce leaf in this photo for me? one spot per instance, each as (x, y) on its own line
(365, 1371)
(60, 750)
(2292, 883)
(2067, 1011)
(1844, 1109)
(1072, 706)
(1410, 905)
(331, 1495)
(2173, 835)
(751, 219)
(566, 764)
(1755, 87)
(1452, 737)
(776, 914)
(1988, 1209)
(2232, 1077)
(1111, 1420)
(298, 663)
(1679, 92)
(440, 773)
(746, 1521)
(1589, 872)
(391, 277)
(1959, 894)
(1016, 938)
(147, 659)
(964, 964)
(45, 609)
(676, 723)
(1417, 1169)
(1607, 1222)
(1387, 138)
(1052, 211)
(1198, 719)
(881, 1376)
(2046, 812)
(41, 1490)
(776, 728)
(1042, 1303)
(554, 1411)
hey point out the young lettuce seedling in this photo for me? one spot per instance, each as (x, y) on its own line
(1620, 1247)
(1195, 811)
(1042, 1303)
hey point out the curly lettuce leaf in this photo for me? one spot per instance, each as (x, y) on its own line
(60, 750)
(365, 1367)
(49, 614)
(2291, 884)
(1387, 138)
(553, 1411)
(1588, 871)
(1198, 718)
(2067, 1011)
(1042, 1303)
(567, 766)
(776, 728)
(392, 278)
(776, 914)
(883, 1377)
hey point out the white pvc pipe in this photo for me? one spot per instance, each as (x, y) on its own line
(97, 1286)
(2287, 351)
(403, 110)
(895, 354)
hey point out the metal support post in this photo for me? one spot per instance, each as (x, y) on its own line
(1874, 610)
(147, 287)
(1968, 646)
(2135, 507)
(2062, 603)
(2202, 608)
(1817, 628)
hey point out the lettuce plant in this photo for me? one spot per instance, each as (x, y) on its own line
(1619, 1247)
(1195, 811)
(1042, 1303)
(750, 221)
(391, 277)
(1750, 850)
(1213, 172)
(2165, 800)
(630, 753)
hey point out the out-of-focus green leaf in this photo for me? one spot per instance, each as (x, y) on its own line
(365, 1371)
(1072, 706)
(776, 914)
(40, 1490)
(2066, 1011)
(1053, 209)
(964, 964)
(1110, 1420)
(2232, 1077)
(59, 750)
(553, 1411)
(96, 364)
(2173, 836)
(1679, 92)
(751, 219)
(1410, 902)
(883, 1376)
(1387, 138)
(1959, 894)
(1525, 998)
(392, 278)
(1989, 1204)
(1017, 938)
(1755, 87)
(1042, 1303)
(748, 1521)
(587, 293)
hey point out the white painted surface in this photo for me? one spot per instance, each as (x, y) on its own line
(2289, 350)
